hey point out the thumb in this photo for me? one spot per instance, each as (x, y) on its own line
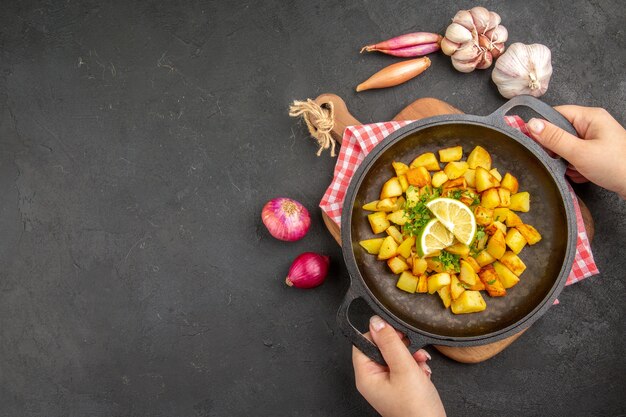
(394, 352)
(555, 139)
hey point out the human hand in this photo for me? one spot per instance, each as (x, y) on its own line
(599, 154)
(401, 389)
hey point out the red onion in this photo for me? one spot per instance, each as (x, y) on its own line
(308, 270)
(286, 219)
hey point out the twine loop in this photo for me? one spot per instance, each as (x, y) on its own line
(319, 120)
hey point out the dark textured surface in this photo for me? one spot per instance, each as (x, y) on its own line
(138, 143)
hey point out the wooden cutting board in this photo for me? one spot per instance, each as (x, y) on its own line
(419, 109)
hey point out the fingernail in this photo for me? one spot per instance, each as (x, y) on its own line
(377, 323)
(427, 355)
(536, 126)
(427, 370)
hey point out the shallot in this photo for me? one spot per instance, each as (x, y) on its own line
(286, 219)
(308, 270)
(408, 45)
(395, 74)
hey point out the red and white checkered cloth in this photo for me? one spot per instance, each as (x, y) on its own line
(358, 141)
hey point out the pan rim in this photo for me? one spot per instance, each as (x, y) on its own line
(556, 176)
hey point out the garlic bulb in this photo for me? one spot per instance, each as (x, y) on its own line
(523, 69)
(474, 39)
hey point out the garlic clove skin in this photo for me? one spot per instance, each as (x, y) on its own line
(523, 69)
(486, 61)
(494, 20)
(467, 52)
(457, 33)
(464, 18)
(498, 35)
(480, 15)
(498, 49)
(448, 47)
(465, 66)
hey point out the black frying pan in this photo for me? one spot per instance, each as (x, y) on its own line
(423, 318)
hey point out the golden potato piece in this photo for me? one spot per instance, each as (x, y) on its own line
(531, 234)
(513, 219)
(422, 285)
(479, 157)
(398, 217)
(513, 262)
(427, 160)
(444, 294)
(395, 234)
(371, 206)
(468, 302)
(419, 266)
(470, 177)
(507, 278)
(496, 245)
(489, 277)
(404, 182)
(397, 265)
(386, 204)
(439, 178)
(419, 177)
(388, 249)
(505, 197)
(484, 258)
(500, 214)
(458, 249)
(405, 247)
(400, 167)
(496, 174)
(468, 273)
(510, 183)
(484, 216)
(407, 282)
(378, 222)
(520, 202)
(455, 170)
(391, 188)
(490, 198)
(372, 245)
(515, 240)
(451, 154)
(437, 281)
(484, 180)
(456, 288)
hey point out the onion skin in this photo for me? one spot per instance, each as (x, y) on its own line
(286, 219)
(308, 270)
(395, 74)
(404, 41)
(411, 51)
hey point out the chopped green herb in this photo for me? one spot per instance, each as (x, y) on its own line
(449, 261)
(493, 281)
(417, 212)
(480, 234)
(456, 194)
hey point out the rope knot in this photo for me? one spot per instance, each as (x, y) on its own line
(319, 120)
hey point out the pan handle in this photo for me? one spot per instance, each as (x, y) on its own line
(543, 109)
(360, 341)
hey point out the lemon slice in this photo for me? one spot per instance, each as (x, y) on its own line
(433, 238)
(456, 217)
